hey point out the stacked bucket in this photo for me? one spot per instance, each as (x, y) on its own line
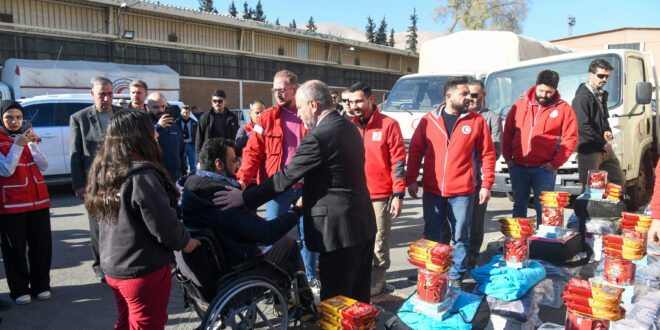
(433, 260)
(345, 313)
(517, 232)
(591, 305)
(553, 203)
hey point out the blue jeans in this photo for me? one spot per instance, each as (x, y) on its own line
(458, 213)
(189, 155)
(523, 179)
(279, 206)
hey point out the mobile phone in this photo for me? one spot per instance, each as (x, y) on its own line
(25, 125)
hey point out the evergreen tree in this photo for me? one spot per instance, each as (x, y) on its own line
(232, 9)
(380, 37)
(310, 24)
(259, 12)
(293, 24)
(370, 29)
(247, 11)
(207, 5)
(411, 39)
(391, 41)
(277, 21)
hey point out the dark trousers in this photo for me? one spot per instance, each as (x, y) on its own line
(285, 255)
(31, 230)
(347, 272)
(94, 243)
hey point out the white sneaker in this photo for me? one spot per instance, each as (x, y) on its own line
(44, 295)
(24, 299)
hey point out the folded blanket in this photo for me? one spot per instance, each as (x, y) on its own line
(464, 309)
(506, 283)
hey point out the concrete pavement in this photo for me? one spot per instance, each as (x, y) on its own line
(80, 302)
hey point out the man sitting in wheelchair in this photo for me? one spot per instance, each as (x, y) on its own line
(240, 231)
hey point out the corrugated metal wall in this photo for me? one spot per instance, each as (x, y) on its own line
(55, 15)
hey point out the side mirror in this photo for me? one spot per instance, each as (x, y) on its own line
(643, 93)
(385, 96)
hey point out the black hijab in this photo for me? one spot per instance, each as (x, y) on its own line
(4, 107)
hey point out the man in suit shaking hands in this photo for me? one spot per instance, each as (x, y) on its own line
(339, 220)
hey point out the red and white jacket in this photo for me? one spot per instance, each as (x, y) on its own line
(264, 147)
(535, 135)
(385, 155)
(23, 186)
(449, 164)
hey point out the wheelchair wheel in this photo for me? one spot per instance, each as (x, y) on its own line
(251, 302)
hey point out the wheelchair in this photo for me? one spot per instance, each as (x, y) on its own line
(251, 295)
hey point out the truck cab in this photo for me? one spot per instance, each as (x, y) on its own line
(633, 122)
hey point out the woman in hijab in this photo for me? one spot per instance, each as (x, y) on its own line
(24, 208)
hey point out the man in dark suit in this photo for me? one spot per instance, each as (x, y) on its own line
(87, 127)
(339, 221)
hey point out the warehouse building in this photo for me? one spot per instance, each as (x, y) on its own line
(209, 51)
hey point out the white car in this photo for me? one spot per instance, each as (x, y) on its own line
(49, 115)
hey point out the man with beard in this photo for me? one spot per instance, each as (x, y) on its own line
(494, 121)
(594, 132)
(238, 229)
(279, 131)
(385, 168)
(447, 139)
(170, 138)
(339, 219)
(539, 135)
(139, 91)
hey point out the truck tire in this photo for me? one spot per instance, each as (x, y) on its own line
(640, 193)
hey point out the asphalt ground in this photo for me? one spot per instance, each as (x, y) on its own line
(79, 301)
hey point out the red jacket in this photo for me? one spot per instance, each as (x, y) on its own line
(548, 136)
(449, 164)
(385, 153)
(264, 147)
(25, 190)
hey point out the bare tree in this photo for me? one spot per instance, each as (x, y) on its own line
(504, 15)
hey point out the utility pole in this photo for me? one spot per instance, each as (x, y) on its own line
(571, 23)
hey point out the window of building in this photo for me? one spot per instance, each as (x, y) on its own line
(633, 46)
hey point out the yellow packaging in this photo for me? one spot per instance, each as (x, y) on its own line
(335, 305)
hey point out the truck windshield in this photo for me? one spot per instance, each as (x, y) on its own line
(416, 94)
(504, 88)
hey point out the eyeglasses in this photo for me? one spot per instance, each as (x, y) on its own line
(602, 76)
(218, 101)
(475, 95)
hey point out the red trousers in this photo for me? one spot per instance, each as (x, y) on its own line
(142, 302)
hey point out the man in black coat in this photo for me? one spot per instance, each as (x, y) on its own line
(87, 128)
(170, 138)
(339, 220)
(594, 133)
(219, 121)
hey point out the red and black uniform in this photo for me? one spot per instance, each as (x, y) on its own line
(449, 164)
(265, 147)
(24, 220)
(385, 155)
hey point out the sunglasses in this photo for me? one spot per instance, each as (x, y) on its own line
(217, 101)
(475, 95)
(602, 76)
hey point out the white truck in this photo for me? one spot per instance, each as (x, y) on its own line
(634, 125)
(466, 53)
(29, 78)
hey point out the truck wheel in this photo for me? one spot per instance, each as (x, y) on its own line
(641, 192)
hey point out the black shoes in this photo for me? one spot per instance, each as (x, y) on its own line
(99, 276)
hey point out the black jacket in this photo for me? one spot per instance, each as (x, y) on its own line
(147, 227)
(238, 229)
(171, 144)
(592, 122)
(204, 131)
(337, 210)
(193, 127)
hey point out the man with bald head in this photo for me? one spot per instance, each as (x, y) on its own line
(169, 136)
(339, 221)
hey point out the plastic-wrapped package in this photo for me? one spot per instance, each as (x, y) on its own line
(548, 292)
(646, 311)
(520, 310)
(600, 227)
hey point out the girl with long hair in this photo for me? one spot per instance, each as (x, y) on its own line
(135, 202)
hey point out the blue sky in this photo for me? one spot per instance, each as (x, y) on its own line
(546, 19)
